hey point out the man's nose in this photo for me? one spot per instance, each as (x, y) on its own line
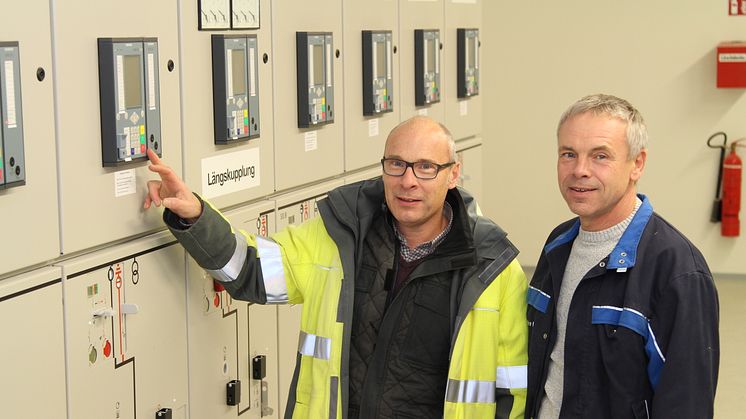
(582, 167)
(408, 178)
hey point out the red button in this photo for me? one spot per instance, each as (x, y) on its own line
(142, 148)
(217, 286)
(107, 348)
(216, 300)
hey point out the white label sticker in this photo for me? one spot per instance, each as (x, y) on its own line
(252, 72)
(151, 82)
(311, 141)
(463, 107)
(373, 127)
(229, 65)
(231, 172)
(732, 57)
(125, 183)
(329, 65)
(388, 59)
(10, 92)
(422, 112)
(310, 65)
(120, 83)
(476, 52)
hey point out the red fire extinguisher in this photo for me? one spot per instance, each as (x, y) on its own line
(732, 171)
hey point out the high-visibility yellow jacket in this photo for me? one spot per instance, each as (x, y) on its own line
(315, 264)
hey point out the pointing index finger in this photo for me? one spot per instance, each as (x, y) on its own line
(153, 157)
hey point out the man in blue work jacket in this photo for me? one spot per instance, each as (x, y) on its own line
(623, 311)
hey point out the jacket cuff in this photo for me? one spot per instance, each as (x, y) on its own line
(209, 240)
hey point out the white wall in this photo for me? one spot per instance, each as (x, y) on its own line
(658, 55)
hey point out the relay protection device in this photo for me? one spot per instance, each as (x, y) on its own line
(12, 163)
(468, 62)
(378, 83)
(130, 99)
(235, 95)
(426, 66)
(315, 78)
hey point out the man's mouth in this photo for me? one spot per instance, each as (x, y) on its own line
(575, 189)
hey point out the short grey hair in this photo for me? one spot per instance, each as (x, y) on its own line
(424, 119)
(601, 104)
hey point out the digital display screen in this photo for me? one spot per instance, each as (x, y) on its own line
(380, 60)
(471, 49)
(132, 76)
(318, 64)
(238, 71)
(430, 54)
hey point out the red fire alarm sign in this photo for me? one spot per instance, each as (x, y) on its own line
(731, 61)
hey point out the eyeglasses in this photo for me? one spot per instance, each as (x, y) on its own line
(421, 169)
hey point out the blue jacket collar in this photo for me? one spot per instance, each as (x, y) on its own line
(624, 255)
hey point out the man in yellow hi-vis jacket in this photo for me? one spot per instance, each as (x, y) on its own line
(414, 305)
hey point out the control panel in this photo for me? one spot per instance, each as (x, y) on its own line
(235, 94)
(12, 163)
(426, 66)
(315, 78)
(130, 99)
(468, 62)
(378, 82)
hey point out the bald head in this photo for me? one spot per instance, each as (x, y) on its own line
(427, 127)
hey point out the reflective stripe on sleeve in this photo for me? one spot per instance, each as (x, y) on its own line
(475, 391)
(270, 258)
(470, 391)
(315, 346)
(512, 377)
(230, 271)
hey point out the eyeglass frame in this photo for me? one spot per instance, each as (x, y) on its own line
(411, 164)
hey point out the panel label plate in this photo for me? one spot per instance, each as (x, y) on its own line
(228, 173)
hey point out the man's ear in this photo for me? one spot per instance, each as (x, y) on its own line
(639, 165)
(454, 175)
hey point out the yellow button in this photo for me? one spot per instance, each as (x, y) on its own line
(142, 129)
